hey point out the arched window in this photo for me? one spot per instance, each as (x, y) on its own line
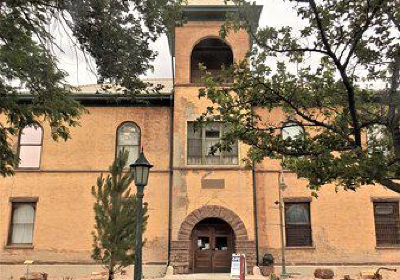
(213, 53)
(292, 130)
(128, 138)
(377, 139)
(30, 146)
(23, 216)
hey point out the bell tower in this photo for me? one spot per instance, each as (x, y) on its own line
(198, 40)
(207, 186)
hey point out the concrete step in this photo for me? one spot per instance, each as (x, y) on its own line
(209, 276)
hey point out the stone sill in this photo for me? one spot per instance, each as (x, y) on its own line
(19, 246)
(395, 247)
(301, 248)
(212, 167)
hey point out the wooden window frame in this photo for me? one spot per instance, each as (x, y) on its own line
(296, 124)
(15, 201)
(303, 201)
(204, 146)
(30, 145)
(372, 132)
(378, 224)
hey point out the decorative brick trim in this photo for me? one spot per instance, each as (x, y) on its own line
(297, 199)
(213, 211)
(26, 199)
(386, 199)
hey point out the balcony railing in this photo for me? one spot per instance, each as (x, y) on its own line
(197, 75)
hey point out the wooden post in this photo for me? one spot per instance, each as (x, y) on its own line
(242, 267)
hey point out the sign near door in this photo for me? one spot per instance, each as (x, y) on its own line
(238, 266)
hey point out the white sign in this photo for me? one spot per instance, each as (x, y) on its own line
(235, 266)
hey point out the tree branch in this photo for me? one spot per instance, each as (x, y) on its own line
(346, 81)
(390, 184)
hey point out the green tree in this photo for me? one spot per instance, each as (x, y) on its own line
(116, 33)
(115, 216)
(319, 73)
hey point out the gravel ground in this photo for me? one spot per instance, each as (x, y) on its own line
(393, 276)
(386, 276)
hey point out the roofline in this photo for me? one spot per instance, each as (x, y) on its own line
(110, 100)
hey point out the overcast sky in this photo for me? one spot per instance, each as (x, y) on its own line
(82, 71)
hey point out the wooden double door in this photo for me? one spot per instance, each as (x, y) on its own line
(212, 247)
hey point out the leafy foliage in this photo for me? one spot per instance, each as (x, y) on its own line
(115, 215)
(116, 33)
(319, 74)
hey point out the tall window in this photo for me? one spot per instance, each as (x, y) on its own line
(128, 138)
(214, 54)
(387, 223)
(201, 146)
(298, 224)
(292, 130)
(376, 139)
(22, 222)
(30, 147)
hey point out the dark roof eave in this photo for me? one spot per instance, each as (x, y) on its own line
(100, 99)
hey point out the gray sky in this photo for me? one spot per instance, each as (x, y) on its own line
(81, 70)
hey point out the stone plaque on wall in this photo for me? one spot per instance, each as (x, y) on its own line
(213, 183)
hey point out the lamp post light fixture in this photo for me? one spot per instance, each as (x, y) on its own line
(140, 170)
(282, 187)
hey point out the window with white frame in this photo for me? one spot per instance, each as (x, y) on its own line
(30, 146)
(22, 223)
(201, 146)
(376, 138)
(128, 139)
(292, 130)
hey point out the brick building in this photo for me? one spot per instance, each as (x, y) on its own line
(202, 206)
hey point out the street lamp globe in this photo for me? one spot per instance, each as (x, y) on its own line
(141, 170)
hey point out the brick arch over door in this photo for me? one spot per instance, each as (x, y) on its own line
(180, 246)
(213, 211)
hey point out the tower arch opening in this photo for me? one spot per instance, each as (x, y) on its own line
(214, 54)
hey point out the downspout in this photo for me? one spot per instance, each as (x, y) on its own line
(171, 159)
(255, 198)
(255, 208)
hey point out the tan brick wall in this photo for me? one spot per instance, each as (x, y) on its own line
(64, 216)
(343, 228)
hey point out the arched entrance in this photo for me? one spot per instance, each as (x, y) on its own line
(181, 257)
(212, 245)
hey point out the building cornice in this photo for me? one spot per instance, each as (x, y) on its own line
(215, 13)
(115, 100)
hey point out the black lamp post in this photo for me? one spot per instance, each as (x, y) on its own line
(282, 187)
(141, 170)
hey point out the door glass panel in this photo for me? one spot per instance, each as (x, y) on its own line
(203, 243)
(221, 243)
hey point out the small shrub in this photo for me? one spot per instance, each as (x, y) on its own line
(324, 273)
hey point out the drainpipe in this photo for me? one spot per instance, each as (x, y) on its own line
(255, 202)
(255, 208)
(171, 159)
